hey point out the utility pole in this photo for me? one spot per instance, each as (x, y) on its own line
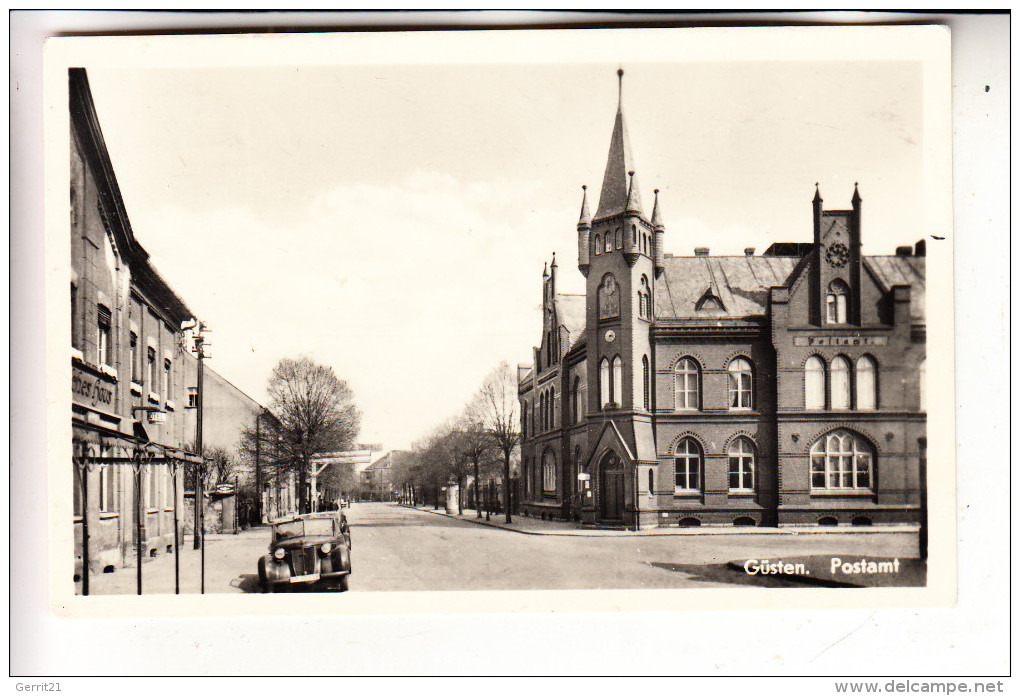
(200, 352)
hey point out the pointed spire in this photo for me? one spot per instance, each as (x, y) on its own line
(545, 269)
(656, 214)
(633, 198)
(553, 261)
(585, 219)
(857, 195)
(616, 190)
(818, 195)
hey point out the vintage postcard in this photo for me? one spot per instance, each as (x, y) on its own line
(586, 320)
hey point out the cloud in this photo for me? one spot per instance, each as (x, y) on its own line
(411, 291)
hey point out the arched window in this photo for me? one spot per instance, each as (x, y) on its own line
(645, 299)
(842, 460)
(616, 391)
(575, 400)
(548, 472)
(840, 397)
(552, 408)
(922, 373)
(604, 382)
(598, 244)
(619, 238)
(836, 302)
(524, 420)
(741, 455)
(633, 229)
(646, 382)
(814, 383)
(651, 480)
(688, 465)
(741, 379)
(686, 378)
(609, 297)
(866, 383)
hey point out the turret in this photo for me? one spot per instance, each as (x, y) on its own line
(816, 206)
(660, 235)
(584, 234)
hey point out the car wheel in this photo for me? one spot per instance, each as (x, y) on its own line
(263, 581)
(342, 584)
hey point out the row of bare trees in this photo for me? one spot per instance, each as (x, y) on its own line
(481, 442)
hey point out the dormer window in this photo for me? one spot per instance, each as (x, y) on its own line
(709, 303)
(836, 302)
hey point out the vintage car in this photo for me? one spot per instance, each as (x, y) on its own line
(312, 550)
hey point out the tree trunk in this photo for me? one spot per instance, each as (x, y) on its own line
(460, 495)
(506, 485)
(478, 508)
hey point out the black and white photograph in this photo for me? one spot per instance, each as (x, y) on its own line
(507, 326)
(594, 320)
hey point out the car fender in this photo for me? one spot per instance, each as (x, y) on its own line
(275, 571)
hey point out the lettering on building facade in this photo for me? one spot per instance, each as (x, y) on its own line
(839, 340)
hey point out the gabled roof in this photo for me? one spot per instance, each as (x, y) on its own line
(571, 310)
(740, 282)
(901, 270)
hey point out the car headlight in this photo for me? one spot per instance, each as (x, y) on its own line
(279, 554)
(326, 548)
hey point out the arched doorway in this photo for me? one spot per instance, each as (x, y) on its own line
(611, 487)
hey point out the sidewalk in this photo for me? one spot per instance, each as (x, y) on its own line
(532, 525)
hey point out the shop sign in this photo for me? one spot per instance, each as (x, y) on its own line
(90, 390)
(839, 341)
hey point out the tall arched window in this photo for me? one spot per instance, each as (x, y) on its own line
(575, 400)
(598, 244)
(840, 398)
(645, 298)
(617, 383)
(922, 373)
(842, 460)
(604, 382)
(619, 238)
(836, 302)
(814, 383)
(686, 378)
(866, 383)
(687, 463)
(646, 382)
(741, 379)
(552, 408)
(633, 229)
(741, 455)
(524, 420)
(548, 472)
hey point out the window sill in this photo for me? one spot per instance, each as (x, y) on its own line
(108, 515)
(741, 493)
(840, 492)
(153, 398)
(686, 493)
(149, 511)
(77, 355)
(136, 388)
(170, 405)
(108, 371)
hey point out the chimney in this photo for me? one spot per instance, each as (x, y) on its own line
(701, 251)
(904, 250)
(749, 251)
(919, 248)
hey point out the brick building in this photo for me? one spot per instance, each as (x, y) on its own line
(778, 389)
(133, 380)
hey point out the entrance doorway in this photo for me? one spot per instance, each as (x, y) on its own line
(611, 487)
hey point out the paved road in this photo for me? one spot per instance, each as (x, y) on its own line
(396, 548)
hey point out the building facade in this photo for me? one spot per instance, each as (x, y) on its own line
(785, 388)
(128, 389)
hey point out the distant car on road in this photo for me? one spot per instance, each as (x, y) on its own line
(312, 550)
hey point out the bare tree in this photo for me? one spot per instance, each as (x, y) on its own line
(475, 442)
(314, 412)
(501, 419)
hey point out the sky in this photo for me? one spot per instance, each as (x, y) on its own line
(392, 221)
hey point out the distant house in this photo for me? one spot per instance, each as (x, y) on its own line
(377, 480)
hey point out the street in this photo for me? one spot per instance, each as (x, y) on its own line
(398, 548)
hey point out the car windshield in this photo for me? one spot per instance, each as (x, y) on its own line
(299, 528)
